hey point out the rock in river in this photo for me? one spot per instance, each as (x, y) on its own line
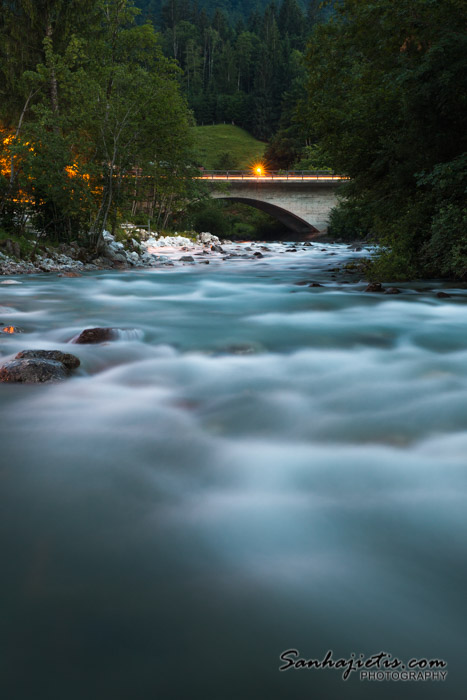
(92, 336)
(33, 371)
(38, 367)
(374, 287)
(68, 360)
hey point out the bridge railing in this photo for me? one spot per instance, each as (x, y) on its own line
(270, 175)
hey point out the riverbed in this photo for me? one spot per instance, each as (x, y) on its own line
(256, 465)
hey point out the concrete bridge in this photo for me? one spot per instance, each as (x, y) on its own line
(302, 201)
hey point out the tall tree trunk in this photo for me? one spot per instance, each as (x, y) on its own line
(53, 86)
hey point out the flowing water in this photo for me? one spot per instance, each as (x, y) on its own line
(253, 466)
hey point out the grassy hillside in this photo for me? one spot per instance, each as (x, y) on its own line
(223, 146)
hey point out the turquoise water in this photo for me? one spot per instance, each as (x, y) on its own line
(254, 466)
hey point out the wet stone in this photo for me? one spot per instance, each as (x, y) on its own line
(443, 295)
(392, 290)
(374, 287)
(33, 371)
(91, 336)
(68, 360)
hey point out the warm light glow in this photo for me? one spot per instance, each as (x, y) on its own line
(72, 171)
(258, 170)
(8, 329)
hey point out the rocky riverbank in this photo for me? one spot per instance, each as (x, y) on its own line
(138, 250)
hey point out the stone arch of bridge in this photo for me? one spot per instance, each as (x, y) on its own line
(290, 220)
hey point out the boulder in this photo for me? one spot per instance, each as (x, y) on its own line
(46, 264)
(207, 238)
(68, 360)
(33, 371)
(443, 295)
(117, 257)
(92, 336)
(258, 255)
(101, 262)
(187, 258)
(392, 290)
(374, 287)
(173, 242)
(133, 257)
(69, 274)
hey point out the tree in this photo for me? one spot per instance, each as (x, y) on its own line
(106, 129)
(387, 100)
(292, 22)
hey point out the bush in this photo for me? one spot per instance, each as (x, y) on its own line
(26, 244)
(211, 218)
(446, 251)
(348, 221)
(226, 161)
(243, 230)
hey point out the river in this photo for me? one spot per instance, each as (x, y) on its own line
(254, 466)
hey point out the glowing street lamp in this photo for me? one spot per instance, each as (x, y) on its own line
(258, 170)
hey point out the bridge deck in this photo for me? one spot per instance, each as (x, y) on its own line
(276, 176)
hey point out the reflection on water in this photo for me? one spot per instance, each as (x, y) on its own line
(264, 466)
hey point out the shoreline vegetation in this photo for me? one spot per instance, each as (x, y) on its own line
(97, 123)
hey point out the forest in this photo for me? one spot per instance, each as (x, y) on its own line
(242, 62)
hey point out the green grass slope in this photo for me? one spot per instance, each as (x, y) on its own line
(223, 146)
